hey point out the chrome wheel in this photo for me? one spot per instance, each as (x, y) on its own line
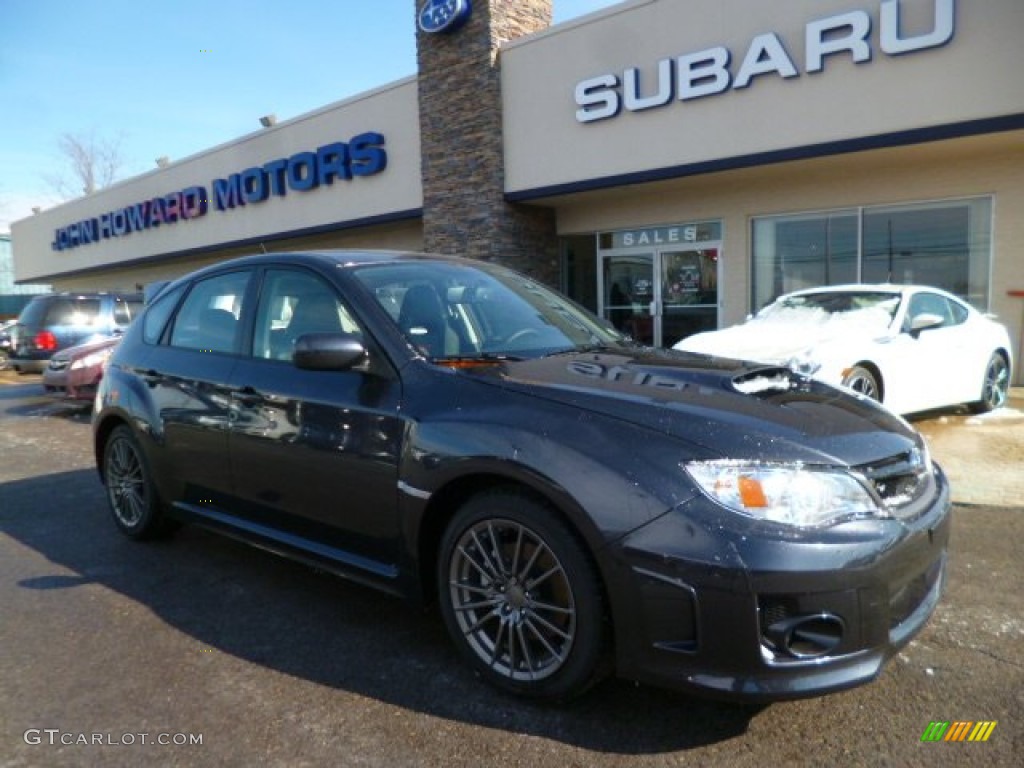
(862, 381)
(512, 600)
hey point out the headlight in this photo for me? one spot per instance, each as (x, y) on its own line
(96, 358)
(789, 494)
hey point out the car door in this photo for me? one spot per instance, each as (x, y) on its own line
(315, 454)
(940, 356)
(187, 375)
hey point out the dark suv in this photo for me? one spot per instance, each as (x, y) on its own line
(56, 321)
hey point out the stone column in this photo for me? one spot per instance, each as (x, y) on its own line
(464, 210)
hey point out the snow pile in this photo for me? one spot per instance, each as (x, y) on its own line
(1000, 414)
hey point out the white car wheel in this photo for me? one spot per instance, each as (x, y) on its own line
(997, 383)
(861, 380)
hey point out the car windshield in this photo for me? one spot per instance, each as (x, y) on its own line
(450, 310)
(856, 308)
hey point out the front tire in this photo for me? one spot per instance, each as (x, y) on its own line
(863, 381)
(132, 496)
(995, 387)
(521, 598)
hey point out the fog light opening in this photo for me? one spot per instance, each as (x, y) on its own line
(806, 637)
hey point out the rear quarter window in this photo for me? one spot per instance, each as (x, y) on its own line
(156, 317)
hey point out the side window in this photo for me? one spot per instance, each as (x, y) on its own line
(159, 313)
(932, 304)
(208, 318)
(135, 308)
(122, 316)
(293, 303)
(958, 312)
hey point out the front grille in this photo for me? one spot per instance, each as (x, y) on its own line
(899, 480)
(776, 608)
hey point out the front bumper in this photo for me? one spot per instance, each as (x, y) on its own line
(78, 384)
(770, 617)
(28, 364)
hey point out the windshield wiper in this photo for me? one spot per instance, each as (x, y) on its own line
(480, 357)
(583, 349)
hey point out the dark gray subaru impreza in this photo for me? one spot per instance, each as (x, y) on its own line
(577, 505)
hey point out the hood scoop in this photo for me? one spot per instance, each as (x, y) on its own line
(764, 382)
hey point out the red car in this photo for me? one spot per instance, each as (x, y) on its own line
(74, 373)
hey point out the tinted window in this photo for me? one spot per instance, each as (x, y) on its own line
(156, 318)
(208, 319)
(126, 310)
(447, 310)
(61, 311)
(933, 304)
(293, 303)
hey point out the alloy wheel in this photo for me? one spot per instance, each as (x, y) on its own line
(126, 483)
(512, 600)
(997, 382)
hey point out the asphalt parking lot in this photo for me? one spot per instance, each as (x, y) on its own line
(201, 651)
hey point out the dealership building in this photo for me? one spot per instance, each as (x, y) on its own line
(672, 165)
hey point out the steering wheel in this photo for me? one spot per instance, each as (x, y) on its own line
(522, 334)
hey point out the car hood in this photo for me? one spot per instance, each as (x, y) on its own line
(734, 410)
(81, 350)
(776, 342)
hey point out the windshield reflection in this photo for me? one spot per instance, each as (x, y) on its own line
(462, 311)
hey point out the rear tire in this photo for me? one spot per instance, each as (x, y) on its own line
(133, 499)
(995, 388)
(521, 597)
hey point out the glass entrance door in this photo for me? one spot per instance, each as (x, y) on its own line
(661, 296)
(689, 293)
(627, 291)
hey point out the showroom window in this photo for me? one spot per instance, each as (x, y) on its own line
(946, 244)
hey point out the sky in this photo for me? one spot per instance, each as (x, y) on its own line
(173, 79)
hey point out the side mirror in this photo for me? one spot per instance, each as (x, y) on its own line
(327, 351)
(923, 322)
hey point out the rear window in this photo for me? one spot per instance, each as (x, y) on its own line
(60, 311)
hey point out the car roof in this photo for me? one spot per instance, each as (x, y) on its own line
(340, 258)
(86, 295)
(892, 288)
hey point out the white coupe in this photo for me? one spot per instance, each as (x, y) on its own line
(912, 348)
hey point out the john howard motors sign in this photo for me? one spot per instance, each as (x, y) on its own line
(363, 155)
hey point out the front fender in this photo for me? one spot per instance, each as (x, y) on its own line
(609, 478)
(122, 399)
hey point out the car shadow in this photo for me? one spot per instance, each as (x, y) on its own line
(242, 601)
(936, 413)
